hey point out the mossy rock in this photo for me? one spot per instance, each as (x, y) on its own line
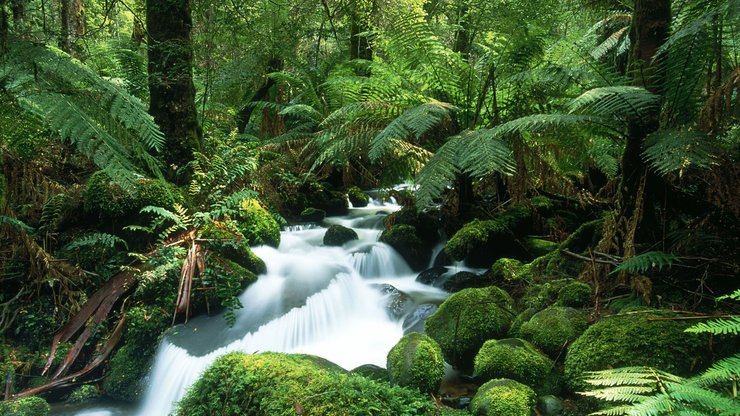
(575, 294)
(371, 371)
(508, 271)
(464, 280)
(586, 235)
(427, 226)
(553, 328)
(518, 360)
(109, 200)
(25, 406)
(503, 397)
(83, 394)
(467, 319)
(416, 362)
(634, 340)
(554, 265)
(126, 371)
(480, 243)
(520, 320)
(404, 240)
(541, 295)
(337, 235)
(358, 198)
(281, 384)
(538, 247)
(257, 225)
(226, 239)
(313, 215)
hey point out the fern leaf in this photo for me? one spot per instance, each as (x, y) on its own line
(646, 261)
(615, 102)
(719, 326)
(724, 370)
(16, 224)
(670, 151)
(95, 240)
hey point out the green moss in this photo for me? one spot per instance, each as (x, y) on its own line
(575, 294)
(554, 265)
(83, 394)
(542, 203)
(471, 236)
(634, 340)
(357, 197)
(257, 225)
(403, 238)
(337, 235)
(226, 240)
(552, 329)
(503, 397)
(538, 247)
(541, 295)
(508, 270)
(373, 372)
(282, 384)
(313, 215)
(427, 226)
(520, 319)
(127, 368)
(416, 361)
(109, 200)
(467, 319)
(518, 360)
(25, 406)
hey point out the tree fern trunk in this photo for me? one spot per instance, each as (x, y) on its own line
(359, 44)
(649, 30)
(171, 89)
(73, 25)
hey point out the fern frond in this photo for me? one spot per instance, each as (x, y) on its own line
(95, 240)
(16, 224)
(670, 151)
(641, 263)
(718, 326)
(723, 370)
(440, 172)
(615, 102)
(52, 212)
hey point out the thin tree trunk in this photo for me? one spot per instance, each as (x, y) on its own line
(3, 27)
(649, 30)
(73, 25)
(462, 36)
(171, 89)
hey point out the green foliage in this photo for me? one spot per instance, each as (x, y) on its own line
(102, 120)
(518, 360)
(502, 397)
(83, 394)
(634, 340)
(649, 260)
(25, 406)
(105, 197)
(276, 384)
(467, 319)
(257, 225)
(416, 361)
(95, 240)
(676, 151)
(127, 368)
(337, 235)
(553, 328)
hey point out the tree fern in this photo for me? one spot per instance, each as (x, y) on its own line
(619, 101)
(649, 260)
(674, 151)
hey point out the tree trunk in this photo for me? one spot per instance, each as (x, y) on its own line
(3, 27)
(73, 25)
(359, 44)
(171, 89)
(649, 30)
(462, 36)
(262, 94)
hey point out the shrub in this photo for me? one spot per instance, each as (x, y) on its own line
(416, 361)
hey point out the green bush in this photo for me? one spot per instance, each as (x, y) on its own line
(416, 361)
(503, 397)
(467, 319)
(25, 406)
(518, 360)
(403, 239)
(257, 225)
(357, 197)
(575, 294)
(553, 328)
(634, 340)
(283, 384)
(337, 235)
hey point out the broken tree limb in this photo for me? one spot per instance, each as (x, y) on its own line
(589, 259)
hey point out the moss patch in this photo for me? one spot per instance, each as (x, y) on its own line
(357, 197)
(467, 319)
(575, 294)
(337, 235)
(503, 397)
(552, 329)
(518, 360)
(25, 406)
(313, 215)
(403, 239)
(281, 384)
(109, 200)
(416, 361)
(257, 225)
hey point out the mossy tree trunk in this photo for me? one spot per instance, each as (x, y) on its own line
(73, 25)
(649, 30)
(171, 89)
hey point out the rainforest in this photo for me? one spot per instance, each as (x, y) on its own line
(369, 207)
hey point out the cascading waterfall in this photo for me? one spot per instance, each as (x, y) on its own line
(313, 299)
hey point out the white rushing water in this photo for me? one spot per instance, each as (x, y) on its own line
(313, 299)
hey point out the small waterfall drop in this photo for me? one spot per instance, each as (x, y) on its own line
(312, 299)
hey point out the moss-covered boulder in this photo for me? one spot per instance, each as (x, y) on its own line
(518, 360)
(503, 397)
(416, 361)
(575, 294)
(225, 239)
(404, 240)
(538, 296)
(480, 243)
(358, 198)
(464, 280)
(553, 328)
(107, 199)
(509, 271)
(313, 215)
(538, 247)
(635, 340)
(371, 371)
(427, 226)
(257, 225)
(281, 384)
(467, 319)
(83, 394)
(25, 406)
(337, 235)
